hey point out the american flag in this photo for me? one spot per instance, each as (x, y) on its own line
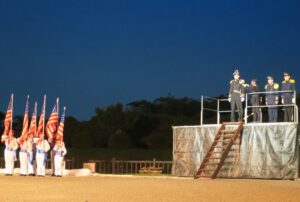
(32, 127)
(52, 123)
(60, 131)
(8, 116)
(25, 120)
(40, 130)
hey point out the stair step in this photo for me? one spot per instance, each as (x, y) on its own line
(213, 158)
(212, 163)
(228, 131)
(219, 146)
(216, 152)
(203, 169)
(232, 123)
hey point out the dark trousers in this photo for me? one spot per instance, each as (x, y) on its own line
(255, 110)
(236, 102)
(288, 111)
(272, 111)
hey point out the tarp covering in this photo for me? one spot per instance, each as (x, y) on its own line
(266, 151)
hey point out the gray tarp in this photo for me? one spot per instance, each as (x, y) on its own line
(266, 151)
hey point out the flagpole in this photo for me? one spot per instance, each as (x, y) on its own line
(35, 113)
(12, 111)
(57, 105)
(44, 114)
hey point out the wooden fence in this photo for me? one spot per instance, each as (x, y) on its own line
(112, 166)
(129, 167)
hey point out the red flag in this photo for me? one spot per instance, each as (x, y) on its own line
(52, 123)
(60, 131)
(25, 121)
(32, 127)
(41, 126)
(9, 116)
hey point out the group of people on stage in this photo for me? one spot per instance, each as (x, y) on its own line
(33, 150)
(238, 88)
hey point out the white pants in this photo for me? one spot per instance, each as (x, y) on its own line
(30, 163)
(10, 157)
(58, 163)
(23, 162)
(41, 159)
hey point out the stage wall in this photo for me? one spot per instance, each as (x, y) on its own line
(266, 151)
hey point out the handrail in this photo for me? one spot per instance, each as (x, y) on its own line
(247, 106)
(267, 106)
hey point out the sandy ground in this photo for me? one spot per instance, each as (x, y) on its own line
(118, 188)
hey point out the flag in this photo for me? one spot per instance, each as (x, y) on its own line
(52, 123)
(41, 126)
(32, 127)
(9, 116)
(60, 131)
(25, 120)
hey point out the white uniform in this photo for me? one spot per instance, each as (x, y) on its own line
(59, 151)
(23, 156)
(42, 147)
(11, 145)
(30, 156)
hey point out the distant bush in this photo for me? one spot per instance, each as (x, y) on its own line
(119, 140)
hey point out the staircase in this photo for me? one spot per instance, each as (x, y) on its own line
(218, 152)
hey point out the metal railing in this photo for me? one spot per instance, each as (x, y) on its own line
(219, 112)
(277, 93)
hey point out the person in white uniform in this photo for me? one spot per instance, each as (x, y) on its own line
(23, 156)
(42, 147)
(30, 152)
(11, 146)
(59, 151)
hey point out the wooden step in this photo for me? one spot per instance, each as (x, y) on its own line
(203, 169)
(228, 131)
(216, 152)
(211, 163)
(219, 146)
(213, 158)
(232, 123)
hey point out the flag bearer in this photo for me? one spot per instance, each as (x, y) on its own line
(30, 152)
(236, 96)
(23, 156)
(11, 146)
(272, 98)
(59, 152)
(288, 98)
(42, 147)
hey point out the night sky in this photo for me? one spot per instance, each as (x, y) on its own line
(95, 53)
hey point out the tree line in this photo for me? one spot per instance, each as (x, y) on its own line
(139, 124)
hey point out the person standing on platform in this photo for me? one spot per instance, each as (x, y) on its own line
(11, 146)
(254, 88)
(42, 147)
(59, 152)
(236, 96)
(23, 156)
(272, 98)
(288, 98)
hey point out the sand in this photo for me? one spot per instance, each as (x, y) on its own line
(139, 188)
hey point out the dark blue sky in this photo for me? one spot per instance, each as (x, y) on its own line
(94, 53)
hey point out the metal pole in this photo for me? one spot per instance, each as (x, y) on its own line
(246, 109)
(201, 112)
(218, 111)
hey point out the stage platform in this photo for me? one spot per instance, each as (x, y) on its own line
(267, 150)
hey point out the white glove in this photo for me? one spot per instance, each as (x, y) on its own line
(282, 101)
(229, 99)
(293, 100)
(242, 99)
